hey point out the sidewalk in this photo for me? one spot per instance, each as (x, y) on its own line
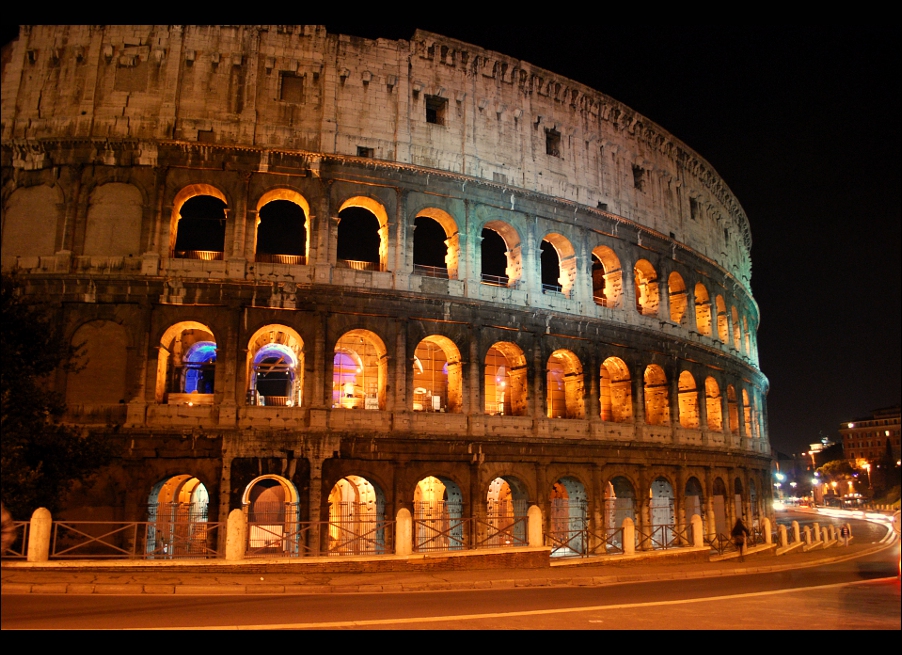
(336, 575)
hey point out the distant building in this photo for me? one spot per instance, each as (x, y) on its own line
(865, 438)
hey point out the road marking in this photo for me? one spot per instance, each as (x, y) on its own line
(501, 615)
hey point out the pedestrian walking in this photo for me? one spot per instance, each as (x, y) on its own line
(740, 534)
(845, 532)
(9, 529)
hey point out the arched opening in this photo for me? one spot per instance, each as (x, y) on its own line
(507, 504)
(753, 503)
(702, 310)
(275, 367)
(719, 506)
(607, 278)
(679, 303)
(436, 244)
(733, 408)
(657, 396)
(616, 391)
(713, 405)
(569, 518)
(505, 380)
(437, 376)
(558, 261)
(438, 515)
(177, 512)
(619, 504)
(356, 518)
(747, 414)
(737, 329)
(186, 365)
(113, 221)
(359, 371)
(688, 401)
(362, 242)
(745, 332)
(564, 387)
(500, 252)
(272, 508)
(282, 233)
(660, 508)
(199, 223)
(722, 328)
(646, 283)
(694, 501)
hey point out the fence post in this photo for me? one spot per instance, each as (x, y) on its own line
(534, 527)
(782, 536)
(807, 535)
(629, 536)
(796, 537)
(816, 532)
(765, 526)
(403, 532)
(39, 535)
(698, 531)
(236, 535)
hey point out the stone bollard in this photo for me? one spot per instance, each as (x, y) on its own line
(782, 536)
(403, 532)
(816, 532)
(831, 533)
(765, 526)
(236, 535)
(807, 535)
(698, 531)
(534, 527)
(629, 537)
(796, 537)
(39, 535)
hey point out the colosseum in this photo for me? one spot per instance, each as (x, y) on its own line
(343, 285)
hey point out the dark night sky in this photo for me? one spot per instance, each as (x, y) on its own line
(803, 124)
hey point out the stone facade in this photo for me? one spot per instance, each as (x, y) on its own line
(610, 358)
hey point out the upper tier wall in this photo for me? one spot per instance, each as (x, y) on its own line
(431, 101)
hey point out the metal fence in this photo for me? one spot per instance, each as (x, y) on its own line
(134, 540)
(431, 271)
(18, 549)
(439, 525)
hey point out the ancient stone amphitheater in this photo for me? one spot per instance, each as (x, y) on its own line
(329, 281)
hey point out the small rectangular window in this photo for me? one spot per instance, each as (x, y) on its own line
(639, 177)
(436, 108)
(693, 209)
(291, 88)
(369, 153)
(552, 143)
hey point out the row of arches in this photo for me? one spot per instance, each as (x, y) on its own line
(358, 521)
(186, 370)
(280, 231)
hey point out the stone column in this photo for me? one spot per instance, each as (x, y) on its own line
(236, 535)
(39, 535)
(403, 532)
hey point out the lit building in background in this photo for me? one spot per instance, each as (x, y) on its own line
(866, 438)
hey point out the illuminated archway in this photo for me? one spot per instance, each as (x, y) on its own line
(713, 405)
(426, 246)
(733, 409)
(283, 227)
(275, 367)
(510, 260)
(737, 329)
(558, 262)
(177, 510)
(564, 389)
(359, 371)
(645, 279)
(198, 223)
(356, 517)
(607, 277)
(722, 327)
(679, 303)
(619, 504)
(688, 401)
(661, 514)
(505, 380)
(702, 310)
(272, 507)
(186, 365)
(362, 243)
(616, 391)
(694, 501)
(437, 376)
(657, 396)
(506, 512)
(438, 515)
(568, 518)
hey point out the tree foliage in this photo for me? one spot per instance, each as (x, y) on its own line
(41, 457)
